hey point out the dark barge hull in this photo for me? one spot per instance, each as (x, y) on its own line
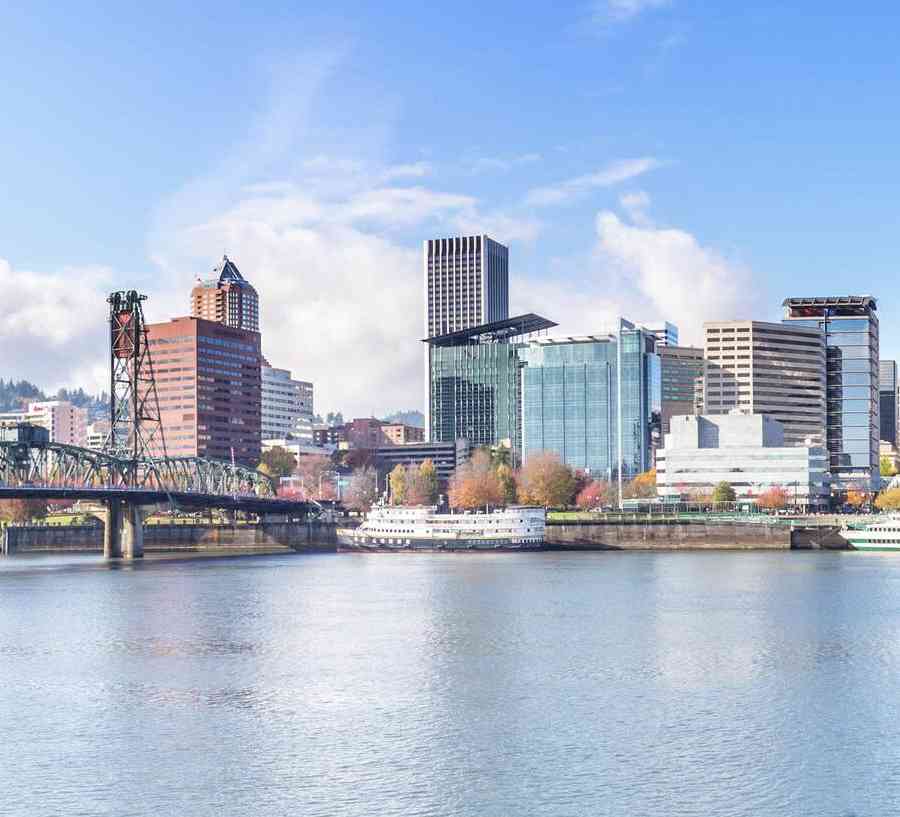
(354, 545)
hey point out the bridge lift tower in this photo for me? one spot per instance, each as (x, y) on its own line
(135, 425)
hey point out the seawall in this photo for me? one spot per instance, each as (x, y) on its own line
(666, 535)
(264, 537)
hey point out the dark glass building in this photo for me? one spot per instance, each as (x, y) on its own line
(852, 430)
(887, 390)
(475, 383)
(681, 377)
(570, 390)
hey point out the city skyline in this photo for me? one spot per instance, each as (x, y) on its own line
(612, 202)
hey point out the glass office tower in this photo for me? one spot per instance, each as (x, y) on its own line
(887, 387)
(570, 391)
(852, 393)
(475, 383)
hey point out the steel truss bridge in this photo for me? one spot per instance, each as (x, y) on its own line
(56, 471)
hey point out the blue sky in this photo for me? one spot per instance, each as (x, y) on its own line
(665, 160)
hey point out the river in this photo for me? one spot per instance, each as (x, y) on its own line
(481, 685)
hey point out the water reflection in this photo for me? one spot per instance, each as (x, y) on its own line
(657, 684)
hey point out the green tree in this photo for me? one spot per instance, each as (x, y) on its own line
(724, 492)
(399, 484)
(507, 483)
(278, 462)
(888, 468)
(429, 481)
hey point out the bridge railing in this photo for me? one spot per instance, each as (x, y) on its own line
(56, 465)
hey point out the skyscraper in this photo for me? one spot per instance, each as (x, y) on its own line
(850, 326)
(475, 382)
(887, 392)
(570, 394)
(466, 283)
(208, 380)
(228, 298)
(767, 368)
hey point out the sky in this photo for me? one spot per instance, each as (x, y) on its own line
(657, 159)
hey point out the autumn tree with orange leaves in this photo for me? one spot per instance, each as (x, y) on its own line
(475, 484)
(546, 480)
(773, 499)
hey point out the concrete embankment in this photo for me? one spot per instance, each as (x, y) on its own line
(678, 535)
(265, 537)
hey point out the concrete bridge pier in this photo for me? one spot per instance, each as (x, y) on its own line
(123, 529)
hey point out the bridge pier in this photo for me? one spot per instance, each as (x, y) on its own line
(123, 528)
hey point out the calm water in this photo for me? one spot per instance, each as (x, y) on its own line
(486, 686)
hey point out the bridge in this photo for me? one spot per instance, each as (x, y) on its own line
(126, 479)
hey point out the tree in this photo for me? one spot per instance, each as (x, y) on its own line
(316, 474)
(888, 500)
(421, 484)
(278, 462)
(888, 467)
(593, 496)
(773, 499)
(546, 480)
(22, 510)
(856, 497)
(507, 483)
(643, 486)
(475, 484)
(397, 480)
(363, 489)
(723, 492)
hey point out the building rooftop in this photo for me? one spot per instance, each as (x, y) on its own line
(866, 301)
(494, 331)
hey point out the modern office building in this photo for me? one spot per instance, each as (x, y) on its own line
(65, 423)
(446, 456)
(887, 400)
(475, 383)
(466, 283)
(570, 393)
(287, 404)
(666, 335)
(850, 325)
(681, 375)
(210, 391)
(768, 368)
(226, 298)
(748, 451)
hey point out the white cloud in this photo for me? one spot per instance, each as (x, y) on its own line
(485, 164)
(53, 326)
(647, 274)
(619, 11)
(613, 174)
(635, 205)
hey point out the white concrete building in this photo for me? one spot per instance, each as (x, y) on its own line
(287, 405)
(96, 434)
(745, 450)
(66, 423)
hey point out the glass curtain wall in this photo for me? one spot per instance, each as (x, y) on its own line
(569, 401)
(851, 339)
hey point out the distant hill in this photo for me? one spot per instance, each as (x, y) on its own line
(410, 418)
(15, 396)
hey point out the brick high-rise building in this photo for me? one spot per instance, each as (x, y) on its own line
(210, 392)
(228, 298)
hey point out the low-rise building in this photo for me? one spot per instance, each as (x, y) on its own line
(66, 424)
(745, 450)
(446, 456)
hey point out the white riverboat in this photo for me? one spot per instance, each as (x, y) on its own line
(883, 534)
(389, 528)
